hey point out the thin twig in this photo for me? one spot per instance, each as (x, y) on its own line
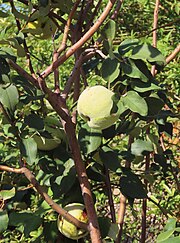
(67, 27)
(94, 13)
(121, 215)
(83, 57)
(173, 54)
(156, 9)
(44, 195)
(123, 199)
(144, 205)
(79, 43)
(109, 192)
(116, 11)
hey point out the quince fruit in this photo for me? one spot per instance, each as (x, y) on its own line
(68, 229)
(97, 106)
(52, 135)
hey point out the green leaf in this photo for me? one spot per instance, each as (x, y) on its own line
(107, 228)
(131, 185)
(136, 69)
(127, 45)
(142, 87)
(3, 220)
(172, 239)
(89, 139)
(26, 220)
(155, 104)
(135, 103)
(149, 53)
(8, 53)
(68, 177)
(109, 30)
(94, 172)
(3, 14)
(164, 236)
(15, 44)
(9, 97)
(50, 231)
(29, 150)
(64, 5)
(110, 158)
(171, 224)
(141, 147)
(34, 121)
(4, 71)
(110, 69)
(7, 194)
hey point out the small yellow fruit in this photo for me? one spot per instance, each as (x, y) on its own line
(68, 229)
(95, 105)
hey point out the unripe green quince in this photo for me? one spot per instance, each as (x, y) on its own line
(95, 105)
(55, 135)
(68, 229)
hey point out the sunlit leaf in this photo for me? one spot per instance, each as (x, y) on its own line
(136, 69)
(7, 194)
(29, 150)
(149, 53)
(3, 220)
(141, 147)
(89, 139)
(9, 97)
(135, 103)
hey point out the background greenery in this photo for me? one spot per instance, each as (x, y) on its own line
(24, 215)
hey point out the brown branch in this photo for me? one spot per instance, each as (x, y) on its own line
(156, 9)
(56, 74)
(67, 27)
(45, 196)
(116, 11)
(59, 106)
(83, 57)
(173, 54)
(160, 27)
(121, 214)
(79, 43)
(144, 204)
(123, 199)
(109, 192)
(95, 12)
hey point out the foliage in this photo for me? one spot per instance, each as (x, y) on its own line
(136, 158)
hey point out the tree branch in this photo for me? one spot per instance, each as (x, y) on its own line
(57, 102)
(123, 199)
(44, 195)
(67, 27)
(79, 43)
(173, 54)
(156, 9)
(109, 192)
